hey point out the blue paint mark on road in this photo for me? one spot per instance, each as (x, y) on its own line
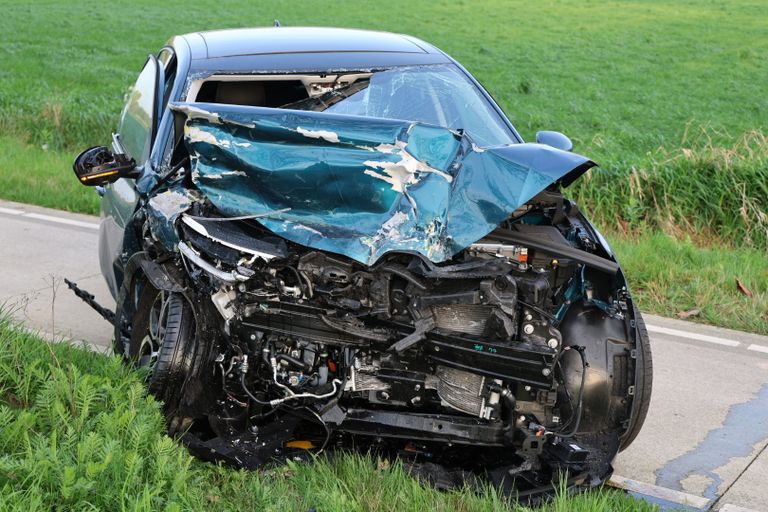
(744, 427)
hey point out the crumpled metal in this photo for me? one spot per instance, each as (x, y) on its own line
(363, 187)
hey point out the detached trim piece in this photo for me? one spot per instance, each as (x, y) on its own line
(232, 236)
(227, 277)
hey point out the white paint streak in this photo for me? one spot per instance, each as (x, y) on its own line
(389, 231)
(386, 148)
(319, 134)
(195, 134)
(435, 243)
(396, 176)
(381, 148)
(218, 176)
(241, 123)
(692, 336)
(403, 173)
(393, 224)
(198, 113)
(758, 348)
(303, 227)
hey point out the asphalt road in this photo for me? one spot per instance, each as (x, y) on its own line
(706, 433)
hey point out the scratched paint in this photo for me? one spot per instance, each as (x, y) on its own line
(745, 426)
(363, 186)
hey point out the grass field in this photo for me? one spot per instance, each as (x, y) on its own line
(669, 97)
(669, 277)
(77, 432)
(621, 78)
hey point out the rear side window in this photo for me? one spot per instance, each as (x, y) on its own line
(138, 118)
(272, 93)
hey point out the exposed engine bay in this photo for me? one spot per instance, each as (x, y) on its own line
(514, 360)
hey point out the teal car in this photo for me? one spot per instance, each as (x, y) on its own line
(330, 238)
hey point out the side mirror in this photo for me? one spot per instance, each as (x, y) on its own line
(100, 166)
(555, 139)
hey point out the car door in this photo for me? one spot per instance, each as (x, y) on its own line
(136, 130)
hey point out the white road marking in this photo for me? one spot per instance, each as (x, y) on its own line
(758, 348)
(735, 508)
(692, 336)
(60, 220)
(49, 218)
(655, 491)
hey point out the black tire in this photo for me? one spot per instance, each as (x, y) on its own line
(170, 363)
(644, 387)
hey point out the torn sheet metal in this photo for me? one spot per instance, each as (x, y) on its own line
(362, 186)
(164, 209)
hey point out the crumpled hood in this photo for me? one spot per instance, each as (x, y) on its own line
(362, 186)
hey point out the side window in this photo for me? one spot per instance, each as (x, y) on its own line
(137, 122)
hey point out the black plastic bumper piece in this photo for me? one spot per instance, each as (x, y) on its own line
(423, 427)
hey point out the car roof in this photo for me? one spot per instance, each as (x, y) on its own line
(304, 48)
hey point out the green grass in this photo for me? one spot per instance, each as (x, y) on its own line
(77, 432)
(669, 276)
(714, 194)
(622, 78)
(31, 174)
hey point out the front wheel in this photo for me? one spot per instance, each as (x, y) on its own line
(162, 338)
(644, 386)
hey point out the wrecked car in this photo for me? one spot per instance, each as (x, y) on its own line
(324, 239)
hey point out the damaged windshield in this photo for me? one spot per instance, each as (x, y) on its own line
(440, 95)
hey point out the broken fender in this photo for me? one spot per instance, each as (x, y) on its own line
(360, 186)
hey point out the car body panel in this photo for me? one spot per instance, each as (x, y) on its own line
(362, 186)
